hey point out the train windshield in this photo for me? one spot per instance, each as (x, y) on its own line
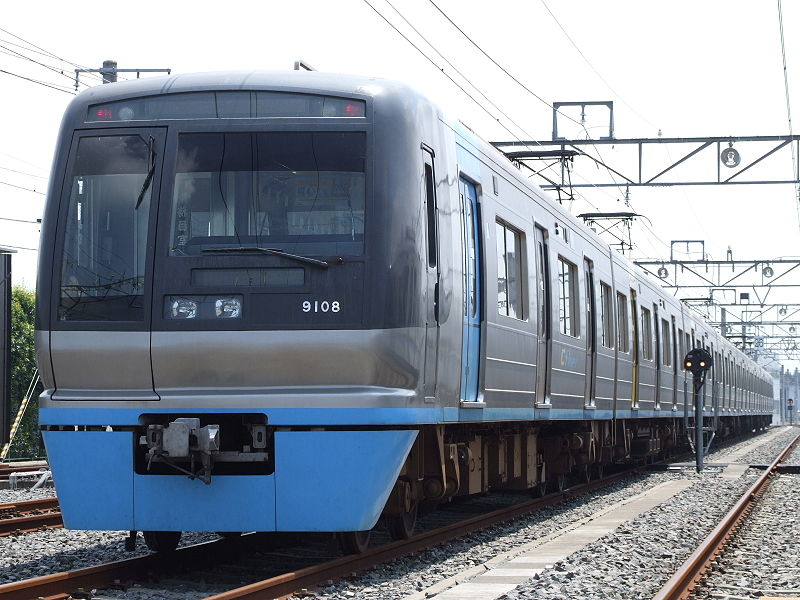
(299, 192)
(105, 243)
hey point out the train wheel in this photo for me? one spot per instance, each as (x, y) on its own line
(353, 542)
(402, 527)
(598, 470)
(162, 541)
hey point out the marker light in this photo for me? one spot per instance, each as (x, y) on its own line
(104, 114)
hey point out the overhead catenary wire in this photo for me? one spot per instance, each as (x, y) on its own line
(445, 73)
(16, 54)
(592, 67)
(497, 64)
(46, 52)
(19, 187)
(48, 85)
(789, 109)
(462, 75)
(442, 70)
(23, 173)
(19, 220)
(418, 49)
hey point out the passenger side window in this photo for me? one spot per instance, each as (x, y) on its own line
(430, 209)
(568, 298)
(606, 316)
(647, 335)
(622, 323)
(509, 271)
(666, 343)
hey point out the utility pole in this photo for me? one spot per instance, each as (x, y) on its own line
(5, 344)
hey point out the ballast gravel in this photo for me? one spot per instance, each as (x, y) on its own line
(758, 563)
(630, 563)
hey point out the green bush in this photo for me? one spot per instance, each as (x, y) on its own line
(23, 366)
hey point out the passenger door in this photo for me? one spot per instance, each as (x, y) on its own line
(544, 317)
(591, 335)
(471, 341)
(635, 351)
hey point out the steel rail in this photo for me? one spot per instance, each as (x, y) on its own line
(7, 468)
(30, 515)
(689, 574)
(61, 585)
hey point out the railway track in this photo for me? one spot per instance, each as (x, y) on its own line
(193, 558)
(232, 555)
(690, 576)
(7, 469)
(29, 515)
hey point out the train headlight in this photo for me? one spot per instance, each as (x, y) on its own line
(228, 308)
(126, 113)
(183, 308)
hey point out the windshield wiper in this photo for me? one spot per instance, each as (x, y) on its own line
(273, 251)
(151, 156)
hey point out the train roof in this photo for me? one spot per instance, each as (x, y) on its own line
(288, 81)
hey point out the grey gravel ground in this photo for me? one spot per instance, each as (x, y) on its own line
(26, 494)
(611, 568)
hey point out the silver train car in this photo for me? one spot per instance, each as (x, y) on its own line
(303, 301)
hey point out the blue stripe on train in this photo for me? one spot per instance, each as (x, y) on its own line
(351, 416)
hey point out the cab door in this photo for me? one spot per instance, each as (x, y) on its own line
(431, 275)
(471, 340)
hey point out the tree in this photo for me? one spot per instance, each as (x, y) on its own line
(23, 367)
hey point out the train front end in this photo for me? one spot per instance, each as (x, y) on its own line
(231, 323)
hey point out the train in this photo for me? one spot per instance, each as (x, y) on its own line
(310, 302)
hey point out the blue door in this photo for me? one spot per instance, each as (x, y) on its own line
(471, 344)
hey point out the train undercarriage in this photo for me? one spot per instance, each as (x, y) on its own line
(448, 461)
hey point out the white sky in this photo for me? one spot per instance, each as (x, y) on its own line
(689, 68)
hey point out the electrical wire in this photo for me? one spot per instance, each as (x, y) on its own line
(19, 220)
(497, 64)
(24, 173)
(16, 54)
(19, 187)
(433, 62)
(47, 52)
(592, 67)
(464, 77)
(462, 88)
(789, 109)
(53, 87)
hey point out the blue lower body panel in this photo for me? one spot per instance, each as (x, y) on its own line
(323, 481)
